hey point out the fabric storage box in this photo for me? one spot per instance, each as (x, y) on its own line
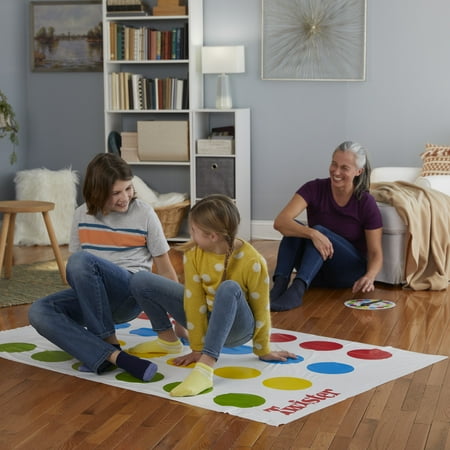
(163, 140)
(215, 146)
(215, 176)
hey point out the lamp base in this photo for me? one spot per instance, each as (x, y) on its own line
(223, 97)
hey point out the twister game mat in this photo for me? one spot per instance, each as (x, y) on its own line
(326, 371)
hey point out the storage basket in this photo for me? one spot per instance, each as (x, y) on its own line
(171, 217)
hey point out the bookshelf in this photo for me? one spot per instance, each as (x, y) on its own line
(131, 70)
(218, 172)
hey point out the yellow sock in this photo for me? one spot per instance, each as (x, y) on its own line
(200, 379)
(157, 346)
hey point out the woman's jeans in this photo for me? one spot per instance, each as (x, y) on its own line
(78, 319)
(231, 323)
(341, 271)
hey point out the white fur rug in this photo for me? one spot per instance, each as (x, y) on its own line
(57, 186)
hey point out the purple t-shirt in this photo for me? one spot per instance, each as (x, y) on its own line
(348, 221)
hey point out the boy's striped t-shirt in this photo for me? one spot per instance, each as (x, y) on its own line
(129, 239)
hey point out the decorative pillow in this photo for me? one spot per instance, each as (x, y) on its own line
(436, 160)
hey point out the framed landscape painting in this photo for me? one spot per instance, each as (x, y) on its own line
(321, 40)
(66, 36)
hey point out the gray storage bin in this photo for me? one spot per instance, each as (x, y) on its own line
(215, 176)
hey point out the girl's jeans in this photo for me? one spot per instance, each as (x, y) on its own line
(78, 319)
(341, 271)
(231, 323)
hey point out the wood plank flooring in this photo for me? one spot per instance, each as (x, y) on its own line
(46, 410)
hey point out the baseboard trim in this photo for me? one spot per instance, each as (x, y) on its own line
(263, 229)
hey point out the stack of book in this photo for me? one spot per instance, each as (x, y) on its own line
(126, 8)
(130, 91)
(141, 43)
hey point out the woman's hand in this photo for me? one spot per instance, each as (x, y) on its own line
(322, 244)
(278, 356)
(364, 284)
(185, 360)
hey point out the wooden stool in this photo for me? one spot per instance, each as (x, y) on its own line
(9, 210)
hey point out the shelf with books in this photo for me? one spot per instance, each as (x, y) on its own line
(152, 73)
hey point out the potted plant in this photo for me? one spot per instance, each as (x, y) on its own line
(8, 125)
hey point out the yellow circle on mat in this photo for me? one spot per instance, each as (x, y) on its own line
(172, 363)
(287, 383)
(237, 372)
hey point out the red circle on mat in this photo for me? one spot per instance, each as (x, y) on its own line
(321, 345)
(370, 353)
(282, 337)
(142, 315)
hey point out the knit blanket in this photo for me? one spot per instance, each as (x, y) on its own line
(426, 213)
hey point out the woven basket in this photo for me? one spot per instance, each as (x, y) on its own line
(172, 216)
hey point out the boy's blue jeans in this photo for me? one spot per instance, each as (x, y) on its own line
(78, 319)
(231, 323)
(341, 271)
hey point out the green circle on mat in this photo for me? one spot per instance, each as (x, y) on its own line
(125, 376)
(16, 347)
(239, 400)
(52, 356)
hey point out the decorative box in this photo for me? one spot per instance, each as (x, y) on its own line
(215, 146)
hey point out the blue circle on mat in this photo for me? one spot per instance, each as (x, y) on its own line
(296, 360)
(144, 332)
(330, 368)
(118, 326)
(239, 350)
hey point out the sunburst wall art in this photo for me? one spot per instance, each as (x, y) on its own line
(323, 40)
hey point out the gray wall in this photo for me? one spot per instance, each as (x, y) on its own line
(295, 124)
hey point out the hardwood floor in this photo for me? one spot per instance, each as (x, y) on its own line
(47, 410)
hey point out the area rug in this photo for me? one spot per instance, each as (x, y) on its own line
(30, 282)
(326, 371)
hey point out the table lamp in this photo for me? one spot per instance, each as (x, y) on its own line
(223, 60)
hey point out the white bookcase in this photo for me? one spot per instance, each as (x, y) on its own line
(226, 174)
(176, 176)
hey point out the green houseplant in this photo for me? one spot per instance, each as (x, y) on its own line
(8, 125)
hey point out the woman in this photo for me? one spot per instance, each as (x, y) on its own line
(113, 236)
(341, 245)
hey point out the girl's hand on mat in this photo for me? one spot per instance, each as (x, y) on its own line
(185, 360)
(278, 356)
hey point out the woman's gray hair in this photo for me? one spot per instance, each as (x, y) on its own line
(361, 182)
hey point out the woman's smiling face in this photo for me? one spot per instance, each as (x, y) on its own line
(343, 169)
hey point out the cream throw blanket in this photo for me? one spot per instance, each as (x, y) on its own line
(426, 213)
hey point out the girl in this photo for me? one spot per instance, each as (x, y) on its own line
(113, 236)
(226, 297)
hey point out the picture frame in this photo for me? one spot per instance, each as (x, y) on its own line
(319, 40)
(66, 36)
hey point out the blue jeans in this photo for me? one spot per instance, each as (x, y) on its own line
(346, 266)
(231, 323)
(78, 319)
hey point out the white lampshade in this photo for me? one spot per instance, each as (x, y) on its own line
(223, 60)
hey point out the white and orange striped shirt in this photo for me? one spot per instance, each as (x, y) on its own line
(129, 239)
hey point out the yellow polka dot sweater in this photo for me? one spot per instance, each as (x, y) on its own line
(203, 274)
